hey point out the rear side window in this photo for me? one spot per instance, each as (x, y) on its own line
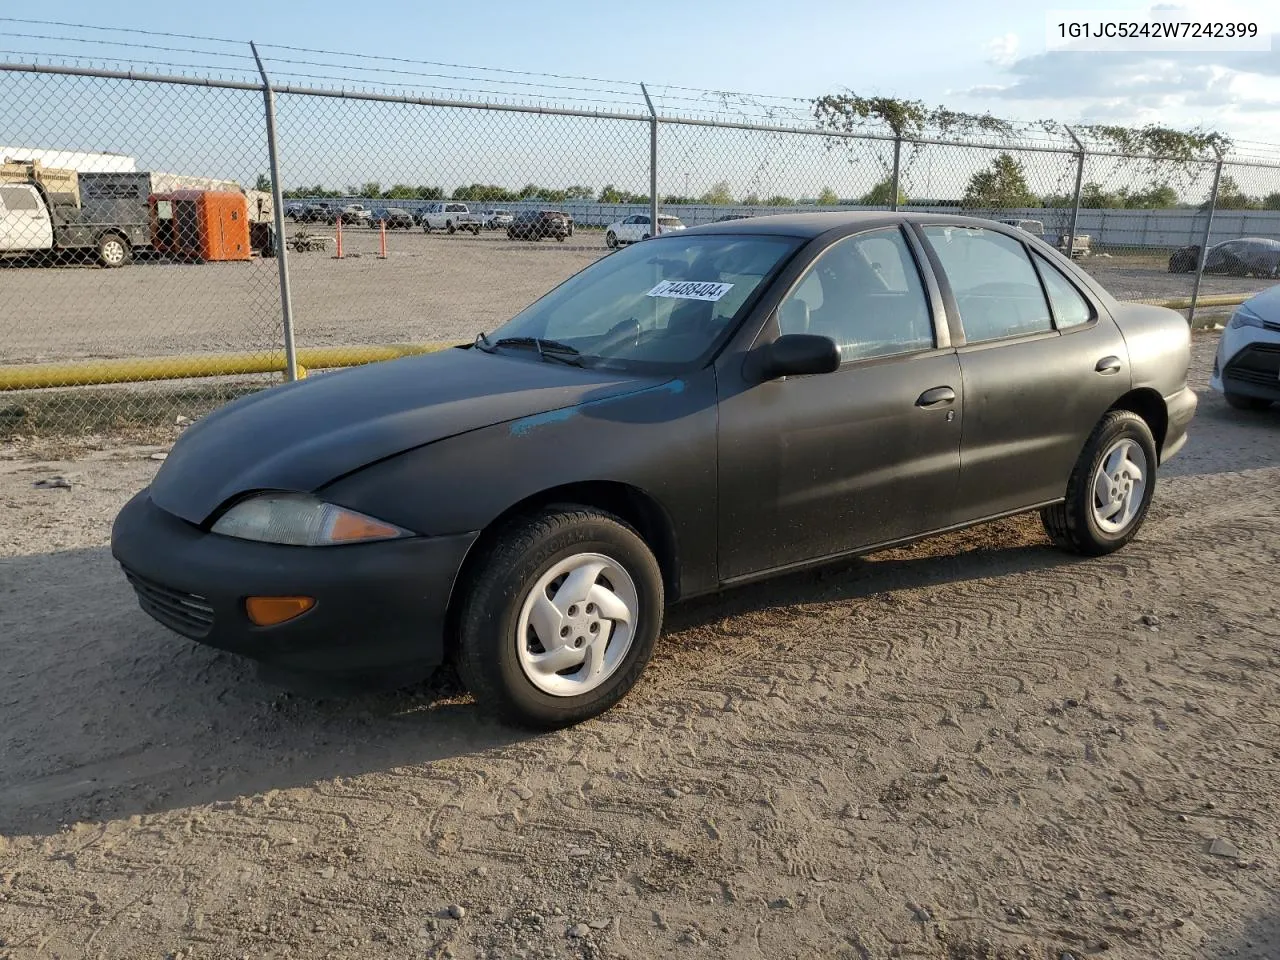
(16, 198)
(995, 286)
(1070, 308)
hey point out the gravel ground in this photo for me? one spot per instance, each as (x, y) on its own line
(435, 287)
(973, 748)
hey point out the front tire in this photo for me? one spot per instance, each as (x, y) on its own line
(448, 226)
(1240, 402)
(1109, 490)
(611, 240)
(561, 617)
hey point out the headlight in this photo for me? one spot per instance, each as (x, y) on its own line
(298, 519)
(1244, 318)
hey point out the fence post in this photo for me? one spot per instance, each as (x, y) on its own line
(277, 203)
(1075, 209)
(897, 170)
(653, 164)
(1204, 241)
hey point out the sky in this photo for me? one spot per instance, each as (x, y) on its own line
(979, 56)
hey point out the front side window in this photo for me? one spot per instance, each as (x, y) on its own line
(655, 306)
(864, 292)
(1070, 308)
(996, 288)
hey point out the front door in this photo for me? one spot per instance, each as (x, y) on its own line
(24, 221)
(816, 466)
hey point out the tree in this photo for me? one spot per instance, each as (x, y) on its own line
(1001, 186)
(719, 194)
(881, 195)
(1093, 197)
(1157, 197)
(778, 200)
(1271, 201)
(827, 197)
(1230, 196)
(263, 183)
(751, 200)
(579, 192)
(372, 190)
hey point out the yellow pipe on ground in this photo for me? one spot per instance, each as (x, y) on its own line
(85, 373)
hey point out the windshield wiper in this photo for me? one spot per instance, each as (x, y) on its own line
(547, 349)
(481, 342)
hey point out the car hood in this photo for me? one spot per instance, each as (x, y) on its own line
(1265, 305)
(302, 435)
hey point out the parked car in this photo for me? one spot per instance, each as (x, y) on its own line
(704, 410)
(636, 228)
(449, 216)
(351, 214)
(1033, 227)
(538, 224)
(495, 219)
(1248, 256)
(314, 213)
(295, 211)
(1246, 368)
(396, 218)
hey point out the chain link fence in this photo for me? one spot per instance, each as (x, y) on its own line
(149, 285)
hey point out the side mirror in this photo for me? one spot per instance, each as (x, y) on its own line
(797, 354)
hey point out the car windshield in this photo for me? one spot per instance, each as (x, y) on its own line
(659, 306)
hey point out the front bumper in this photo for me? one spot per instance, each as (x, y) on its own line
(380, 607)
(1248, 362)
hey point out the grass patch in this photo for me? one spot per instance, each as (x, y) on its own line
(139, 414)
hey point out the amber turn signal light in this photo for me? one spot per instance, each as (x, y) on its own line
(269, 611)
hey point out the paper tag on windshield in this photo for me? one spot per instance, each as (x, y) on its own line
(690, 290)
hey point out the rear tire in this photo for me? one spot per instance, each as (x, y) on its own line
(612, 564)
(1081, 524)
(114, 250)
(1246, 403)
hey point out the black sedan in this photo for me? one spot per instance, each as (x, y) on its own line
(539, 224)
(703, 410)
(1256, 256)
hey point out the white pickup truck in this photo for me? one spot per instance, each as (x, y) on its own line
(449, 215)
(103, 216)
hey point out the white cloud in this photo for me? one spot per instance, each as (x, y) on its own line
(1002, 51)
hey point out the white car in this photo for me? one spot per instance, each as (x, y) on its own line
(496, 219)
(1246, 369)
(636, 228)
(449, 215)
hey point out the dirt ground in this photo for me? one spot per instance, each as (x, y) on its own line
(429, 288)
(974, 748)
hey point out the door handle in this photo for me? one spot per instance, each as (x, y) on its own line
(1107, 366)
(936, 397)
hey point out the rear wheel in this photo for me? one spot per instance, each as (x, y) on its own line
(561, 617)
(114, 250)
(1246, 403)
(1110, 488)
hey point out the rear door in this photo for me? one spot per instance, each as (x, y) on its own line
(1041, 363)
(24, 220)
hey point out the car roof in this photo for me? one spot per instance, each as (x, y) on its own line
(809, 225)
